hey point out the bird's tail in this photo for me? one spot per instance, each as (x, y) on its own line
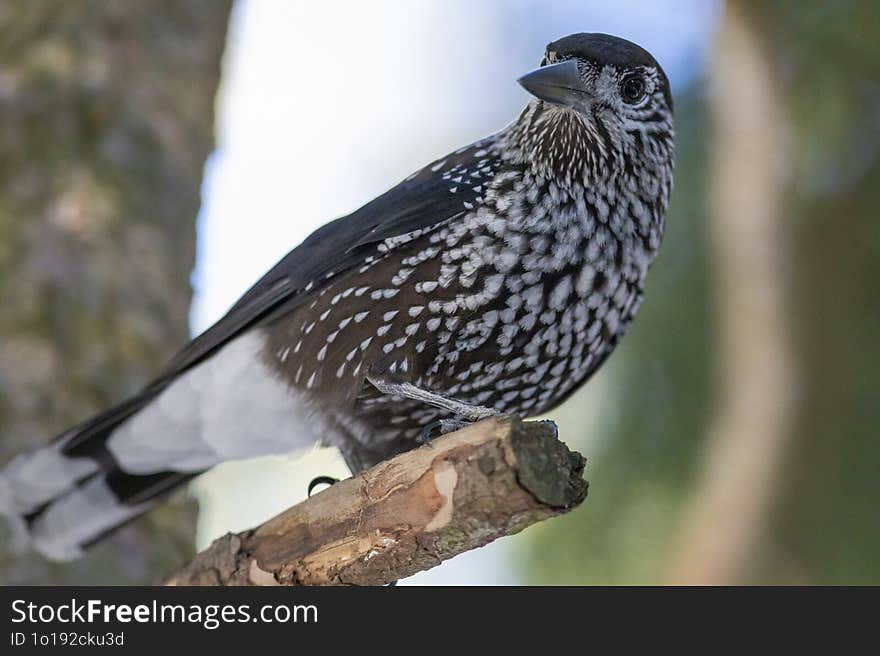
(110, 469)
(72, 492)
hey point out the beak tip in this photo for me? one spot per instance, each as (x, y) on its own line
(553, 82)
(525, 81)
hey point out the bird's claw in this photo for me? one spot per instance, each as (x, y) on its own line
(321, 480)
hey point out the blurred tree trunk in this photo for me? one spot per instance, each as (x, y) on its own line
(106, 118)
(724, 525)
(824, 526)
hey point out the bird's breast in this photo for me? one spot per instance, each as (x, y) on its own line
(525, 317)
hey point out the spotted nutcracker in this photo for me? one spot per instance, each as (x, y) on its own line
(496, 279)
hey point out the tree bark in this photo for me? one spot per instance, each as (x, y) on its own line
(407, 514)
(106, 119)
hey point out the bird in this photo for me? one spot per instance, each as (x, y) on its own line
(495, 280)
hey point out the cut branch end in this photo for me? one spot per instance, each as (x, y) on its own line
(406, 515)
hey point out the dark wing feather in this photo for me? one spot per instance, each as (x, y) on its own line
(427, 198)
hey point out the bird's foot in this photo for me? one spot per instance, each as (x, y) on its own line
(443, 426)
(440, 427)
(551, 425)
(321, 480)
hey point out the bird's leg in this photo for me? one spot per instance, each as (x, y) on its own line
(465, 413)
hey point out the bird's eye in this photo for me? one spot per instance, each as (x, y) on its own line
(632, 89)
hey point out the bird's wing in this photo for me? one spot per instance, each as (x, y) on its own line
(433, 195)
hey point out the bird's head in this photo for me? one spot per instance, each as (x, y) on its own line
(612, 88)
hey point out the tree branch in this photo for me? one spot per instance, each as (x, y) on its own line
(407, 514)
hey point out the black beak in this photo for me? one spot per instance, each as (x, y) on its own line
(560, 84)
